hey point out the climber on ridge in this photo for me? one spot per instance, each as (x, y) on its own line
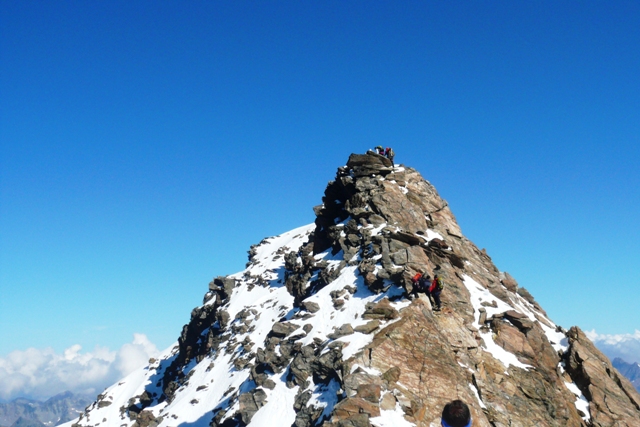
(421, 282)
(435, 290)
(456, 414)
(379, 150)
(389, 154)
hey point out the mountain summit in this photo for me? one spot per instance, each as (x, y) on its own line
(318, 330)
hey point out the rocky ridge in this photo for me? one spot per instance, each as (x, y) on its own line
(318, 330)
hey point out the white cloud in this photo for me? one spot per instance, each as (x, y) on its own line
(42, 373)
(624, 346)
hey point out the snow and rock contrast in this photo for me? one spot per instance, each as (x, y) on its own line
(318, 330)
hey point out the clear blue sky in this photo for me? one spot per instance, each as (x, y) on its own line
(144, 146)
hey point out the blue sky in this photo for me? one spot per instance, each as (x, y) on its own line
(144, 146)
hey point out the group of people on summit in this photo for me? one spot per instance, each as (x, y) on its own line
(386, 152)
(422, 283)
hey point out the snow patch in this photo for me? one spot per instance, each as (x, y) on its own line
(279, 405)
(393, 418)
(478, 295)
(474, 389)
(430, 235)
(582, 404)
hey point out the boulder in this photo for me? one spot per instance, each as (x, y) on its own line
(354, 406)
(508, 282)
(400, 257)
(358, 378)
(368, 327)
(369, 392)
(223, 286)
(342, 331)
(250, 403)
(369, 160)
(147, 419)
(520, 320)
(382, 310)
(438, 243)
(310, 306)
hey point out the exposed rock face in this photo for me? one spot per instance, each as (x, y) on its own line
(613, 398)
(319, 330)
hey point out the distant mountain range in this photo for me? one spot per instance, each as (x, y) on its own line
(57, 410)
(629, 370)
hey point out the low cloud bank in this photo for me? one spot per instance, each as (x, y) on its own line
(624, 346)
(42, 373)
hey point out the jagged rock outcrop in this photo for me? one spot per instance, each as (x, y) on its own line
(613, 398)
(318, 330)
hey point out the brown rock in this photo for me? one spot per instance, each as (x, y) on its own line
(520, 320)
(429, 367)
(512, 340)
(400, 257)
(370, 392)
(509, 282)
(358, 378)
(391, 203)
(342, 331)
(381, 311)
(613, 400)
(311, 306)
(408, 238)
(368, 327)
(353, 406)
(368, 159)
(438, 243)
(282, 329)
(391, 376)
(388, 402)
(416, 258)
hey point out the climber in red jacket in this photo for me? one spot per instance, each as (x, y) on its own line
(435, 290)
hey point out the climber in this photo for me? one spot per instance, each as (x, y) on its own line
(379, 150)
(415, 280)
(435, 290)
(425, 283)
(389, 154)
(456, 414)
(421, 282)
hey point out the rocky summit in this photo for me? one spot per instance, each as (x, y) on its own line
(320, 330)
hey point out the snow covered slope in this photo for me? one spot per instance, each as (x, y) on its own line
(214, 381)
